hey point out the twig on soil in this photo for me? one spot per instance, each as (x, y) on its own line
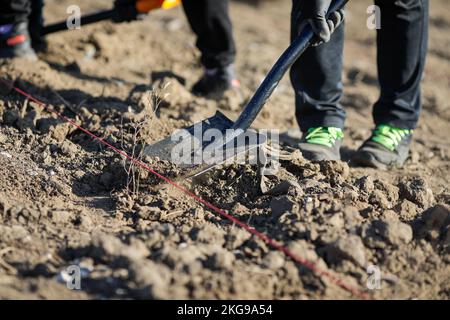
(138, 141)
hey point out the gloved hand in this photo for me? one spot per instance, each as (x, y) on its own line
(314, 12)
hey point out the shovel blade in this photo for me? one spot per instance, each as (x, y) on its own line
(190, 148)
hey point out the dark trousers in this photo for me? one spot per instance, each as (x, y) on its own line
(401, 51)
(210, 21)
(12, 11)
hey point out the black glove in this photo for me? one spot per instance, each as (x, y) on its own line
(125, 10)
(314, 12)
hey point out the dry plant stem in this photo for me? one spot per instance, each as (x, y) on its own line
(138, 142)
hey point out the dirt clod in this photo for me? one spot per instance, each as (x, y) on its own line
(395, 232)
(281, 204)
(417, 190)
(346, 248)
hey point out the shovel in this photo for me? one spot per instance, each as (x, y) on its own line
(229, 137)
(120, 14)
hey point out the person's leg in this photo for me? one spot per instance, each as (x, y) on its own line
(36, 22)
(317, 79)
(210, 21)
(14, 35)
(402, 46)
(14, 11)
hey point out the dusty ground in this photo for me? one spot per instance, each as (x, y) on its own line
(65, 200)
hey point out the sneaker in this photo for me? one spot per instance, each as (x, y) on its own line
(15, 41)
(215, 82)
(387, 147)
(322, 143)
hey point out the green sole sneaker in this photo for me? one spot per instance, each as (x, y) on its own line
(388, 147)
(322, 143)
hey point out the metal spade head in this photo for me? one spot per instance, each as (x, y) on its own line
(205, 145)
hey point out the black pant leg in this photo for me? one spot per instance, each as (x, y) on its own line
(317, 79)
(402, 47)
(210, 21)
(36, 23)
(13, 11)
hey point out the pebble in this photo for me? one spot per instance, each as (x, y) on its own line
(281, 205)
(416, 190)
(349, 248)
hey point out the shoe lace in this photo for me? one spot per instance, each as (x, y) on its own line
(326, 136)
(389, 137)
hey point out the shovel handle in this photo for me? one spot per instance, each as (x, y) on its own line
(287, 59)
(86, 19)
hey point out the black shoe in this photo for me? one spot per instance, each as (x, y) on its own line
(15, 41)
(215, 82)
(387, 147)
(322, 143)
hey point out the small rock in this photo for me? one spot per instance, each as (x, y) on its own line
(283, 187)
(406, 210)
(57, 129)
(273, 260)
(389, 215)
(240, 209)
(337, 171)
(389, 191)
(108, 248)
(336, 221)
(378, 198)
(85, 221)
(436, 217)
(303, 248)
(209, 233)
(148, 213)
(281, 205)
(14, 233)
(10, 117)
(78, 174)
(346, 248)
(152, 280)
(366, 184)
(236, 238)
(417, 191)
(60, 216)
(352, 216)
(3, 138)
(60, 186)
(68, 148)
(221, 259)
(395, 232)
(106, 179)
